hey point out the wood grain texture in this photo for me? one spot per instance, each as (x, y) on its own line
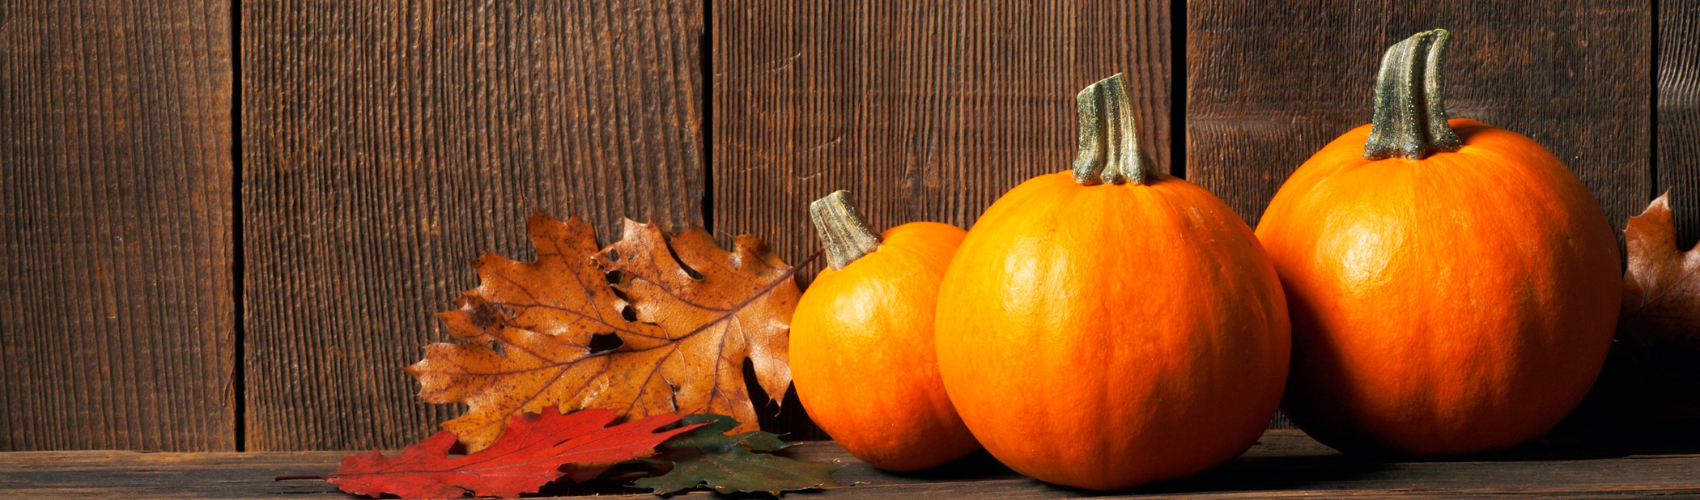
(1267, 87)
(925, 111)
(1678, 124)
(1284, 464)
(115, 226)
(385, 144)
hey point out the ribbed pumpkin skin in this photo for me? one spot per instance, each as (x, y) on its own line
(1113, 335)
(862, 354)
(1457, 304)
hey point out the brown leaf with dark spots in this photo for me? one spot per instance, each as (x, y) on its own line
(1661, 290)
(670, 335)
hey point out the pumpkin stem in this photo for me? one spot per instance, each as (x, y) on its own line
(1110, 151)
(1410, 108)
(843, 234)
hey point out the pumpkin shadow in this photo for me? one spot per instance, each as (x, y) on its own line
(1594, 449)
(1261, 473)
(1319, 470)
(1246, 473)
(976, 466)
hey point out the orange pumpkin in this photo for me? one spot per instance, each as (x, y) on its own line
(1453, 287)
(1112, 326)
(862, 341)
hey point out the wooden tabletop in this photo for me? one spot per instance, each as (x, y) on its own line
(1285, 463)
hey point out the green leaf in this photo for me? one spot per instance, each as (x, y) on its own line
(738, 463)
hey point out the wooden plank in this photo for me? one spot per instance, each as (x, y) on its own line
(115, 226)
(1268, 87)
(387, 143)
(1678, 124)
(925, 111)
(1284, 464)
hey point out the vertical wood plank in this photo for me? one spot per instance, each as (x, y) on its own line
(115, 226)
(1679, 114)
(925, 111)
(387, 143)
(1267, 87)
(1651, 393)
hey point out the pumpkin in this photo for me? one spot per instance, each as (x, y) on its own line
(862, 353)
(1112, 326)
(1453, 287)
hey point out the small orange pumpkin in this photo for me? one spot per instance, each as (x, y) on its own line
(862, 341)
(1453, 287)
(1112, 326)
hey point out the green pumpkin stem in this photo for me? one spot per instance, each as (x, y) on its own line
(1110, 151)
(843, 234)
(1410, 107)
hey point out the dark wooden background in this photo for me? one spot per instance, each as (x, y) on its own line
(226, 224)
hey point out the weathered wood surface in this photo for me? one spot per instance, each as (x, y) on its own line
(115, 214)
(1267, 87)
(1678, 134)
(925, 111)
(385, 144)
(1284, 464)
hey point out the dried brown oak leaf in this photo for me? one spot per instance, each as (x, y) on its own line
(670, 335)
(1661, 290)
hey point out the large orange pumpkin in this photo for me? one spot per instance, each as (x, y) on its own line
(1453, 286)
(1112, 326)
(862, 341)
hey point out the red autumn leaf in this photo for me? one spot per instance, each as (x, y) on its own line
(532, 452)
